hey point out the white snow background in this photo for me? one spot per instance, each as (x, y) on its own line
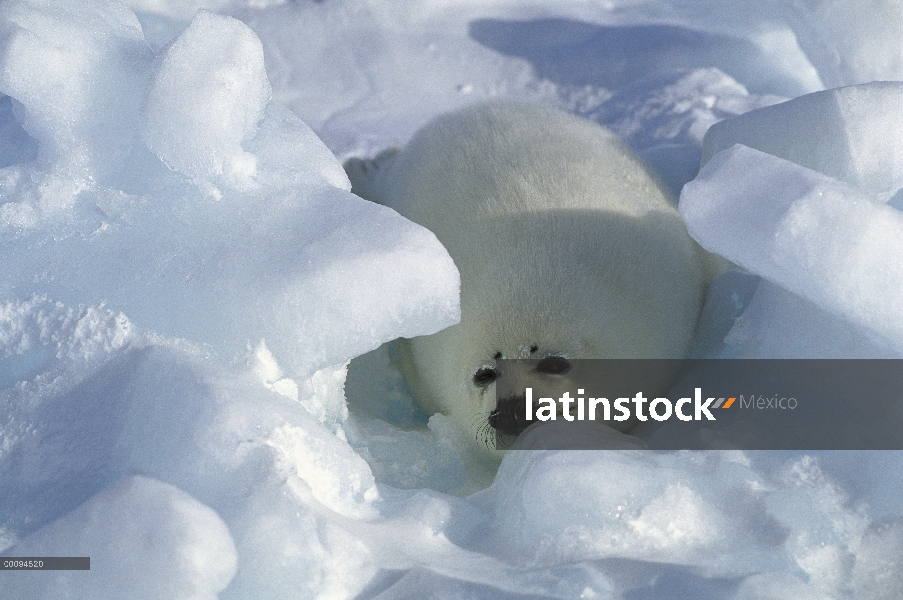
(185, 276)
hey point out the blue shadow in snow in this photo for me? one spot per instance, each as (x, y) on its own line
(571, 52)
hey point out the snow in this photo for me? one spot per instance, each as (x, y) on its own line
(177, 548)
(848, 133)
(768, 203)
(178, 217)
(780, 220)
(197, 380)
(205, 99)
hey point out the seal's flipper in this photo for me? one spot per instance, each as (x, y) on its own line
(362, 172)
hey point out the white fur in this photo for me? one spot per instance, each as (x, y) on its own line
(563, 240)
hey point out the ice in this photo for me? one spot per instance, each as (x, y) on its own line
(81, 46)
(849, 42)
(781, 220)
(779, 324)
(720, 512)
(851, 134)
(623, 510)
(777, 187)
(880, 561)
(186, 9)
(573, 53)
(239, 244)
(206, 98)
(727, 298)
(388, 429)
(665, 116)
(274, 473)
(145, 538)
(179, 9)
(185, 278)
(17, 145)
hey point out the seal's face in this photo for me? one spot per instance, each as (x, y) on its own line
(483, 392)
(465, 385)
(548, 376)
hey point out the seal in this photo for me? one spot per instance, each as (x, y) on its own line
(566, 245)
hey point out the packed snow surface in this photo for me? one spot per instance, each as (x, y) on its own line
(197, 387)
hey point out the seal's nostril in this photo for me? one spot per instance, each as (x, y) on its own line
(484, 377)
(553, 365)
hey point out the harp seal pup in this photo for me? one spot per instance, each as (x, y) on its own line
(566, 245)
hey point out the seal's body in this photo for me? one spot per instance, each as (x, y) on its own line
(566, 245)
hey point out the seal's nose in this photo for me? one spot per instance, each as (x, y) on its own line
(509, 416)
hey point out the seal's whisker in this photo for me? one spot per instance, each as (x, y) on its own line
(479, 417)
(486, 435)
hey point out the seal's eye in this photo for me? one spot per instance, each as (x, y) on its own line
(485, 376)
(553, 365)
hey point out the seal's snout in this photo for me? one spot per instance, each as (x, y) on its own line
(509, 416)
